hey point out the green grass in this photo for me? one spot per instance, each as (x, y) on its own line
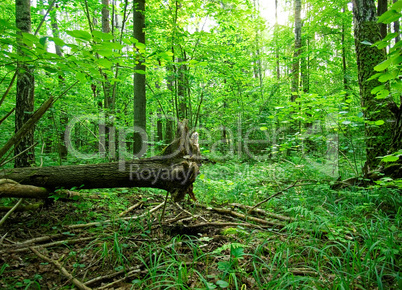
(348, 239)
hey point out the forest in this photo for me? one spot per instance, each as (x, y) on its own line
(208, 144)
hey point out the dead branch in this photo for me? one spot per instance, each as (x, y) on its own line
(74, 241)
(27, 126)
(116, 220)
(63, 270)
(10, 212)
(131, 208)
(260, 211)
(34, 206)
(278, 193)
(34, 240)
(10, 188)
(242, 216)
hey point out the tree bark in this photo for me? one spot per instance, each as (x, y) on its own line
(62, 148)
(397, 28)
(366, 29)
(296, 54)
(140, 102)
(382, 8)
(25, 89)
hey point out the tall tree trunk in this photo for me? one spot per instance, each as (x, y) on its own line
(396, 28)
(366, 29)
(62, 148)
(25, 89)
(344, 66)
(278, 68)
(140, 102)
(382, 8)
(305, 65)
(108, 138)
(181, 90)
(296, 54)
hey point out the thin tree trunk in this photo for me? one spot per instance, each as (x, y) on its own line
(140, 102)
(25, 89)
(278, 68)
(62, 148)
(344, 66)
(396, 28)
(296, 54)
(382, 8)
(181, 90)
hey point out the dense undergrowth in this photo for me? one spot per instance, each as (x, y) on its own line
(348, 239)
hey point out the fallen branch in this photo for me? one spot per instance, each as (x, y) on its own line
(34, 206)
(27, 126)
(116, 220)
(63, 270)
(242, 216)
(10, 212)
(131, 208)
(260, 211)
(278, 193)
(34, 240)
(69, 242)
(10, 188)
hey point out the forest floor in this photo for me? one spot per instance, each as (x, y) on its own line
(304, 235)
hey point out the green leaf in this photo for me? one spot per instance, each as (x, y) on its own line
(384, 65)
(373, 77)
(366, 43)
(382, 95)
(390, 36)
(389, 17)
(104, 52)
(263, 128)
(102, 35)
(42, 40)
(390, 158)
(104, 63)
(389, 75)
(346, 122)
(81, 77)
(80, 34)
(30, 37)
(397, 6)
(139, 71)
(237, 252)
(222, 284)
(379, 122)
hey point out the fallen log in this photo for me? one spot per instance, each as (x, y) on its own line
(174, 171)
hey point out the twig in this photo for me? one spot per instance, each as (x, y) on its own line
(74, 241)
(63, 270)
(10, 212)
(276, 194)
(189, 213)
(35, 240)
(164, 207)
(260, 211)
(2, 238)
(242, 216)
(44, 17)
(131, 208)
(225, 224)
(8, 88)
(7, 115)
